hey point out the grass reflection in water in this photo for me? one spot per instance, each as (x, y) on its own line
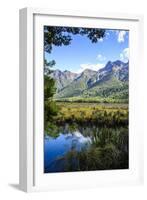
(87, 148)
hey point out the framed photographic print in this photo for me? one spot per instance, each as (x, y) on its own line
(79, 104)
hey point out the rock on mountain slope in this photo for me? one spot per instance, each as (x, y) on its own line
(77, 86)
(63, 78)
(108, 81)
(118, 69)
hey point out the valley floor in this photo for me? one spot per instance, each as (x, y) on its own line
(99, 113)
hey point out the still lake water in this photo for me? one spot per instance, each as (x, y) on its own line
(68, 139)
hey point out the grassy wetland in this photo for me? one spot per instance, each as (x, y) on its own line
(94, 113)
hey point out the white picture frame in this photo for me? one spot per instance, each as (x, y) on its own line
(31, 175)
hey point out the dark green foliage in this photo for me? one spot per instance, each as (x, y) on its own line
(49, 87)
(52, 130)
(49, 83)
(58, 36)
(50, 107)
(47, 66)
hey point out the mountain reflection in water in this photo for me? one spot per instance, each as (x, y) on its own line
(68, 150)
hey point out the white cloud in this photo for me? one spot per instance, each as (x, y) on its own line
(101, 40)
(124, 56)
(100, 57)
(121, 36)
(95, 67)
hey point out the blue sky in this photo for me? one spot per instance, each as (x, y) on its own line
(82, 53)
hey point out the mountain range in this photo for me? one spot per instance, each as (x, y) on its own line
(110, 81)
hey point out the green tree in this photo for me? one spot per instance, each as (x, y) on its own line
(49, 83)
(50, 107)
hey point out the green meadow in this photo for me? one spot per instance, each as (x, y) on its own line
(95, 113)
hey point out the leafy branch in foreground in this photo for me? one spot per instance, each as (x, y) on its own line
(50, 107)
(58, 36)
